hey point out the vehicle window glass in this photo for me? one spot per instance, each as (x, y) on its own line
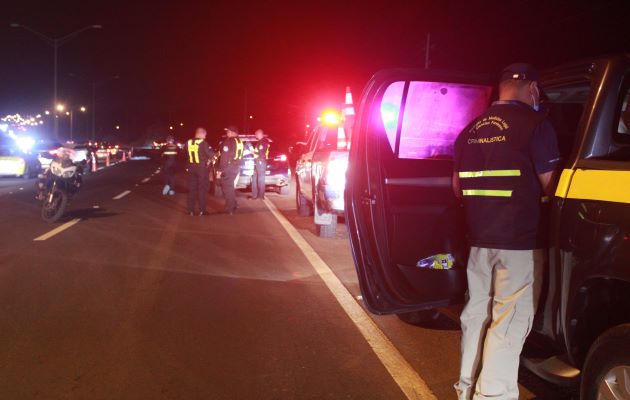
(390, 108)
(309, 144)
(434, 115)
(327, 138)
(564, 106)
(623, 127)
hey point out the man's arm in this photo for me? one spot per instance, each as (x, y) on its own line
(457, 190)
(546, 156)
(548, 181)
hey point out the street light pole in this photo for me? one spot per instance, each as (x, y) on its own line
(55, 43)
(71, 127)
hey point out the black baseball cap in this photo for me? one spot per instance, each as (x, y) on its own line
(520, 72)
(232, 128)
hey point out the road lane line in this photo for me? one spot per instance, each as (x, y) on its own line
(57, 230)
(121, 195)
(407, 379)
(145, 180)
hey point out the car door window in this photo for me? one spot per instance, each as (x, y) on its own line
(434, 114)
(564, 106)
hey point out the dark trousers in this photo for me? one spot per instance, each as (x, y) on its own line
(198, 183)
(228, 187)
(168, 169)
(258, 180)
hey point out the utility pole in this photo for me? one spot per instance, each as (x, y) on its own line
(245, 112)
(427, 61)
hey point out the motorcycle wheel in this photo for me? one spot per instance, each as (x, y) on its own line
(54, 207)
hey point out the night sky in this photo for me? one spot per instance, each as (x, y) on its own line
(193, 62)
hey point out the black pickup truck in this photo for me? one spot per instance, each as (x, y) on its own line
(400, 208)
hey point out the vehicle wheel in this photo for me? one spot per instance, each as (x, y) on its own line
(419, 318)
(53, 210)
(328, 231)
(607, 368)
(284, 190)
(303, 208)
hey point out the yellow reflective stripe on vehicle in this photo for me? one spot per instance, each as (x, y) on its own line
(563, 184)
(490, 172)
(602, 185)
(489, 193)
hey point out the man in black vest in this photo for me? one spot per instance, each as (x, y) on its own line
(505, 163)
(230, 166)
(261, 155)
(199, 156)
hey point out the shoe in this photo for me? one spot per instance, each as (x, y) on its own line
(204, 213)
(251, 198)
(171, 193)
(166, 189)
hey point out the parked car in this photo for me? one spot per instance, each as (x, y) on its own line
(14, 162)
(400, 208)
(321, 175)
(278, 174)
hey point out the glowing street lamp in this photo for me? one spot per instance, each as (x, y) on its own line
(117, 127)
(83, 109)
(170, 127)
(60, 107)
(47, 112)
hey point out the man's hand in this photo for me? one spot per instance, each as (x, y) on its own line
(456, 187)
(548, 182)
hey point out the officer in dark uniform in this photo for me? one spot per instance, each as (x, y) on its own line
(169, 159)
(505, 163)
(261, 155)
(230, 166)
(199, 156)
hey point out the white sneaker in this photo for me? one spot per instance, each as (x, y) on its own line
(166, 189)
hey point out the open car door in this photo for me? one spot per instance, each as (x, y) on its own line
(400, 207)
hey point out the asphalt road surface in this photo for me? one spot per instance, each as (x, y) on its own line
(130, 298)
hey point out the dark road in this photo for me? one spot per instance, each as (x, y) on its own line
(136, 300)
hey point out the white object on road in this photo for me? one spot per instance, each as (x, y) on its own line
(407, 379)
(123, 194)
(57, 230)
(145, 180)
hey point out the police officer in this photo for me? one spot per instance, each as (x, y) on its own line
(505, 162)
(261, 155)
(169, 159)
(199, 156)
(230, 166)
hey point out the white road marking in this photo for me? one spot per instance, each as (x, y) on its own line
(407, 379)
(22, 188)
(57, 230)
(145, 180)
(96, 206)
(120, 196)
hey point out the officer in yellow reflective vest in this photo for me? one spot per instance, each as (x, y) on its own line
(169, 159)
(505, 162)
(199, 155)
(261, 155)
(230, 166)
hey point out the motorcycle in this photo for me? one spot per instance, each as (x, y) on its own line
(58, 185)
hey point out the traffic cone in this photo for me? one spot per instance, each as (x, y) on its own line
(94, 167)
(107, 159)
(124, 157)
(348, 117)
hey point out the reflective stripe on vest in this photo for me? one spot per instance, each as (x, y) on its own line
(193, 150)
(487, 193)
(238, 154)
(490, 172)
